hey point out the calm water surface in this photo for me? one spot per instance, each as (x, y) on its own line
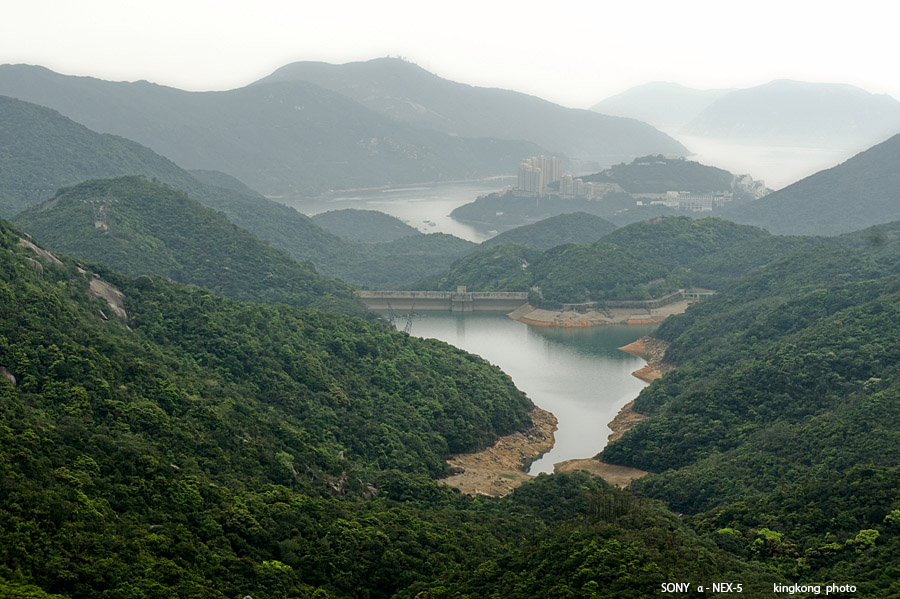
(425, 207)
(578, 374)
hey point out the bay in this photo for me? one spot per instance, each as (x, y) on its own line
(425, 207)
(577, 374)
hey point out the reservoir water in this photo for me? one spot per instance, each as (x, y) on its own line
(578, 374)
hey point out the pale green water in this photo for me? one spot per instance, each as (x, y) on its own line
(578, 374)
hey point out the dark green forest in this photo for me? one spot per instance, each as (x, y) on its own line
(779, 431)
(641, 261)
(205, 447)
(138, 227)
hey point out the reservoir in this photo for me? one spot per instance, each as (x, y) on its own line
(576, 373)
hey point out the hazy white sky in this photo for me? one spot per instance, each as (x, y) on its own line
(573, 53)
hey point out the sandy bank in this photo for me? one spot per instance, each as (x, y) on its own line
(499, 469)
(620, 476)
(589, 318)
(654, 351)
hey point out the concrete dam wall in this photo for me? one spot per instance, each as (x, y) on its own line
(453, 301)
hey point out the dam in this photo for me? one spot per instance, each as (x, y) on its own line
(451, 301)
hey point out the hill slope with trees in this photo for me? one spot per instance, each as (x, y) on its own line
(779, 429)
(644, 260)
(199, 446)
(139, 227)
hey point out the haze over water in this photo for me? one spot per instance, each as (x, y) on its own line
(578, 374)
(426, 207)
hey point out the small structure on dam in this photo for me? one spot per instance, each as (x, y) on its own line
(453, 301)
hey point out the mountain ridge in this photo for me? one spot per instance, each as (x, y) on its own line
(408, 93)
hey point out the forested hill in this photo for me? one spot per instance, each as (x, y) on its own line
(194, 446)
(139, 227)
(858, 193)
(364, 226)
(577, 227)
(780, 428)
(45, 151)
(659, 174)
(644, 260)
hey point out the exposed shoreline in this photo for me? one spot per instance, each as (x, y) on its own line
(569, 318)
(500, 468)
(654, 351)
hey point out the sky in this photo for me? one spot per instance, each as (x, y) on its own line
(572, 53)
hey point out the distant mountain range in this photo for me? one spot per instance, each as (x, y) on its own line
(782, 112)
(858, 193)
(669, 106)
(409, 94)
(42, 151)
(286, 135)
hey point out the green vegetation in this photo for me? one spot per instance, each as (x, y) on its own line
(780, 430)
(493, 268)
(576, 227)
(212, 448)
(508, 210)
(42, 151)
(642, 261)
(658, 174)
(139, 227)
(364, 226)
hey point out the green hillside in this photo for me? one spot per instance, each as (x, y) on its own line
(644, 260)
(138, 227)
(576, 227)
(204, 447)
(779, 429)
(658, 174)
(364, 226)
(42, 151)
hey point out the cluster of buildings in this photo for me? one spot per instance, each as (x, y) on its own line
(695, 202)
(571, 188)
(536, 173)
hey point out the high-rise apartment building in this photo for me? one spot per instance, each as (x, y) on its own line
(537, 172)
